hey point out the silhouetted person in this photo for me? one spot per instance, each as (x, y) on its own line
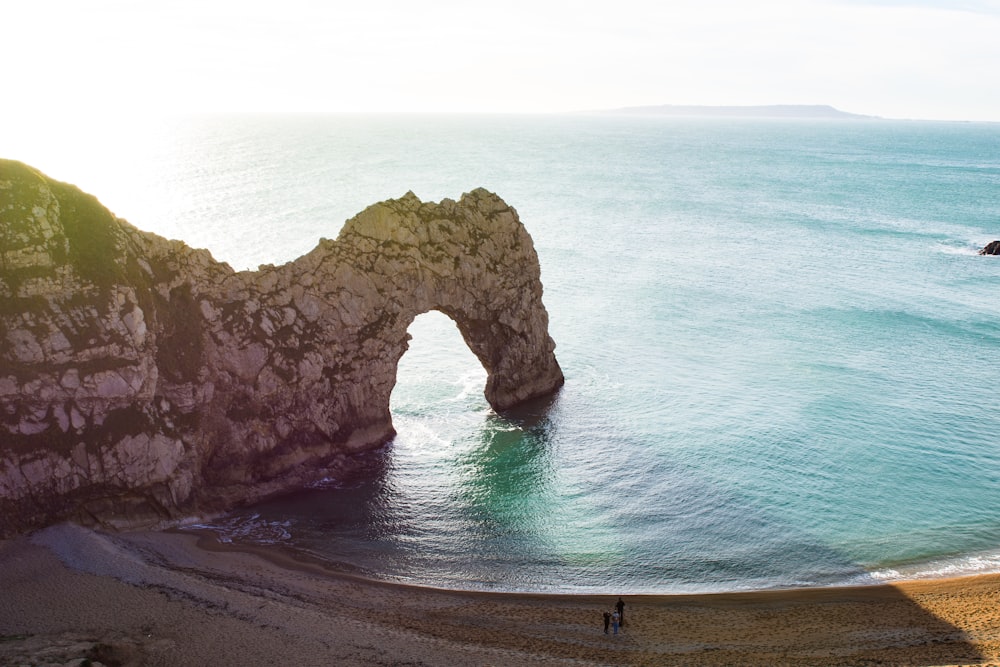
(620, 606)
(607, 620)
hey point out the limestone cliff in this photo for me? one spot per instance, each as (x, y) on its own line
(141, 380)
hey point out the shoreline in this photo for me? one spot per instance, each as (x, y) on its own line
(173, 598)
(290, 556)
(213, 538)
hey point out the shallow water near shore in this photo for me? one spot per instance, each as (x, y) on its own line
(779, 344)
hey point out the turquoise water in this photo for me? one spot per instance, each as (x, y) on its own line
(780, 346)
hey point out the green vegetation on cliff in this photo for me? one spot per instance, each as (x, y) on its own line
(45, 224)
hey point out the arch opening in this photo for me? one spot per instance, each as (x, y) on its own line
(438, 372)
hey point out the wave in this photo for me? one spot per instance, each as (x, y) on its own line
(886, 321)
(251, 529)
(958, 566)
(470, 384)
(959, 248)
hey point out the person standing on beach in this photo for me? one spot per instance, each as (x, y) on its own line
(620, 606)
(607, 620)
(614, 622)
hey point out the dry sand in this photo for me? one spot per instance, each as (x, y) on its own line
(68, 594)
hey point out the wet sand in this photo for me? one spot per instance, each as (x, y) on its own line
(170, 598)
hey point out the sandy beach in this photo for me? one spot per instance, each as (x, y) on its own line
(169, 598)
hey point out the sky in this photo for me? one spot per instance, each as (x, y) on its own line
(926, 59)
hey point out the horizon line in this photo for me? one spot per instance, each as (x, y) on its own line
(730, 112)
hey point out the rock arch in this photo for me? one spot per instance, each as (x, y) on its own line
(471, 260)
(141, 380)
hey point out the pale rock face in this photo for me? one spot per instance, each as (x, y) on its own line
(141, 381)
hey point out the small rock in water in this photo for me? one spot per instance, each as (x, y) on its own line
(992, 248)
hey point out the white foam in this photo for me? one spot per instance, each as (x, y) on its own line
(248, 529)
(468, 383)
(965, 250)
(960, 566)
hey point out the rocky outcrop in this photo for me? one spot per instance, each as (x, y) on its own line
(991, 248)
(141, 380)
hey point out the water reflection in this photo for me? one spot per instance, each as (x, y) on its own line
(505, 482)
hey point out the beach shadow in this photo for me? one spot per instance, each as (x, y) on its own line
(864, 623)
(820, 626)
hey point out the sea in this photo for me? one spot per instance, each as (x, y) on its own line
(781, 348)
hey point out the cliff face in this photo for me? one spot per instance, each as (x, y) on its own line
(140, 380)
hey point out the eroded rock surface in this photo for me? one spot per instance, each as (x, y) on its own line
(141, 380)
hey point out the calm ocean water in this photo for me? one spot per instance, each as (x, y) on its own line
(779, 343)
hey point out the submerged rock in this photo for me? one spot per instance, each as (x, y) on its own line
(991, 248)
(141, 380)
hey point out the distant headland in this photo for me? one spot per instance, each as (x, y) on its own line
(819, 111)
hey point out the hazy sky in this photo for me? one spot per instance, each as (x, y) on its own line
(893, 58)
